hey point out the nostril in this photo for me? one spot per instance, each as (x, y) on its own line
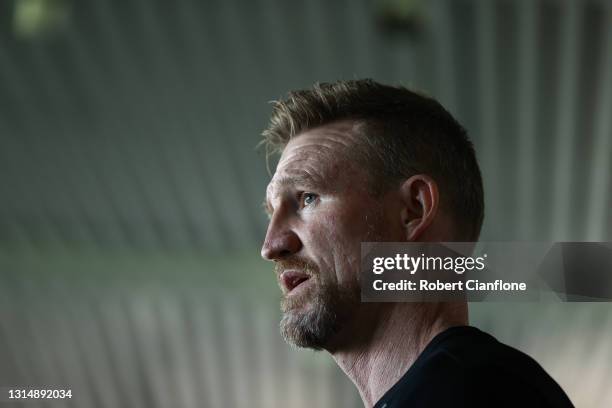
(272, 255)
(284, 253)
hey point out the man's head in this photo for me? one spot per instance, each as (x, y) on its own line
(360, 161)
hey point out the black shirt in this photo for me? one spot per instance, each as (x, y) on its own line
(465, 367)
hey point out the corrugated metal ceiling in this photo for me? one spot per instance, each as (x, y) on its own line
(135, 124)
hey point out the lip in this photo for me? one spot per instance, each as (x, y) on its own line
(291, 280)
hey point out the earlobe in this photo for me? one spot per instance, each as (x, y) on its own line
(420, 205)
(414, 229)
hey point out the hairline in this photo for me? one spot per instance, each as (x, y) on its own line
(357, 149)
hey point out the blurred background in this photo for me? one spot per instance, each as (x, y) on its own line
(130, 185)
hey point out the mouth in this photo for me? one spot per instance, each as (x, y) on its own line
(293, 279)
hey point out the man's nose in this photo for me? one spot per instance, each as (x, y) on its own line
(280, 243)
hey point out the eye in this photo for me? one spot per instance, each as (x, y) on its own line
(307, 199)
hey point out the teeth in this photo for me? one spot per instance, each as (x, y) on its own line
(296, 282)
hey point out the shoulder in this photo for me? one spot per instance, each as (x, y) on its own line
(467, 367)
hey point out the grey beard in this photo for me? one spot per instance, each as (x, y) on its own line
(314, 327)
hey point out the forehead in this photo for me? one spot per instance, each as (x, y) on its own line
(319, 154)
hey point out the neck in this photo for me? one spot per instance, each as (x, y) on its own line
(383, 340)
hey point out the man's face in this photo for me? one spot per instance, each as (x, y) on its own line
(320, 210)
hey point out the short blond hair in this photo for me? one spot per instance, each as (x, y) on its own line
(404, 133)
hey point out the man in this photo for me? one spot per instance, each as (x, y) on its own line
(361, 161)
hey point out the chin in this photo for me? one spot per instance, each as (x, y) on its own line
(311, 319)
(305, 329)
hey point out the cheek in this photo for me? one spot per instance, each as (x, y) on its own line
(340, 230)
(332, 244)
(343, 235)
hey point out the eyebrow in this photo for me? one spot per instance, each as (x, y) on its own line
(301, 178)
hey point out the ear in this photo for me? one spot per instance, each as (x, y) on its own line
(420, 200)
